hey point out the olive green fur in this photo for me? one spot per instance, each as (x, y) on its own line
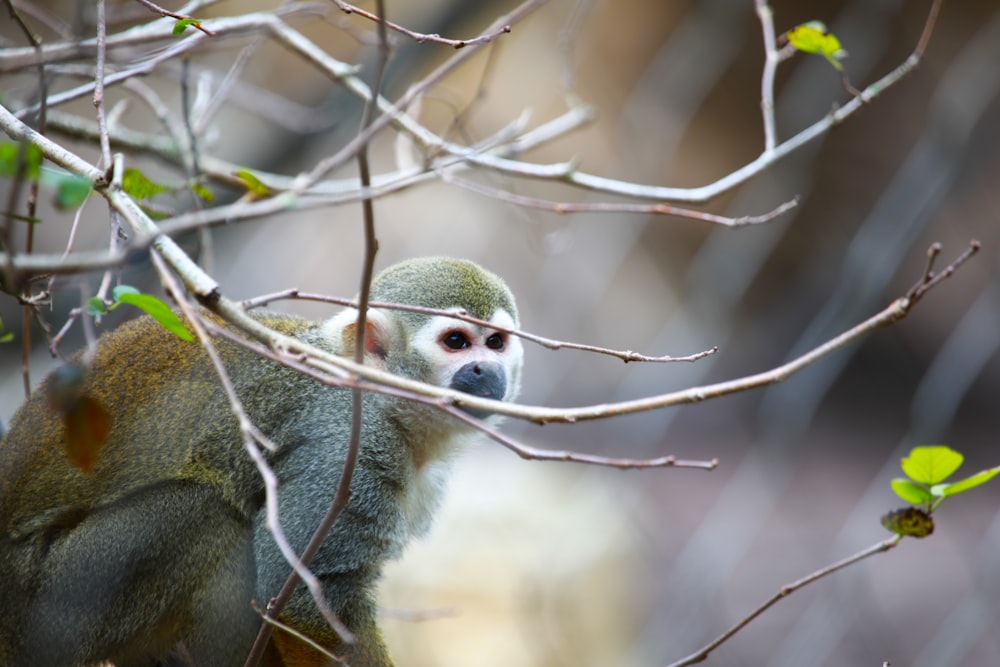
(443, 282)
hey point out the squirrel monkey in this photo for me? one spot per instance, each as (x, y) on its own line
(154, 556)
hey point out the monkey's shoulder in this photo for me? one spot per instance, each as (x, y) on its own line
(168, 417)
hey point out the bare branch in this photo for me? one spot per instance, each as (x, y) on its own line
(930, 279)
(550, 343)
(322, 371)
(422, 37)
(701, 654)
(164, 12)
(206, 289)
(616, 207)
(771, 59)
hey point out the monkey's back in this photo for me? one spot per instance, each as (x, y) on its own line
(168, 416)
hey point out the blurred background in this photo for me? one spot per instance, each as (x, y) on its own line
(547, 564)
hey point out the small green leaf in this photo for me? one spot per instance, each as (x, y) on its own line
(159, 311)
(22, 218)
(931, 465)
(909, 521)
(135, 183)
(910, 491)
(13, 155)
(204, 193)
(812, 37)
(118, 290)
(252, 183)
(71, 191)
(33, 158)
(95, 307)
(8, 158)
(5, 336)
(971, 482)
(182, 25)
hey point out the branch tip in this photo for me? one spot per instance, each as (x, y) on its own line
(930, 278)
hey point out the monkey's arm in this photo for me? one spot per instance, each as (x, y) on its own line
(348, 564)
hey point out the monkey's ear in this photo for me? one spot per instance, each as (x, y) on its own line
(341, 331)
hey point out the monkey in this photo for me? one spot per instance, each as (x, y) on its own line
(155, 556)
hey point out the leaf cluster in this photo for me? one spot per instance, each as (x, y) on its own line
(925, 488)
(812, 37)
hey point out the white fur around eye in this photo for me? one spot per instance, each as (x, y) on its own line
(444, 362)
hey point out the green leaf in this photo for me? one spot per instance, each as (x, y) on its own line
(8, 158)
(204, 193)
(252, 183)
(911, 492)
(159, 311)
(812, 37)
(5, 336)
(182, 25)
(971, 482)
(13, 155)
(95, 307)
(71, 191)
(135, 183)
(22, 218)
(33, 157)
(118, 290)
(931, 464)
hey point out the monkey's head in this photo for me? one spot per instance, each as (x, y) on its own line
(437, 349)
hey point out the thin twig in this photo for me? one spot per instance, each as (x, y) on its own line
(27, 310)
(567, 172)
(462, 315)
(99, 87)
(930, 279)
(207, 289)
(324, 372)
(701, 654)
(180, 17)
(301, 636)
(535, 454)
(342, 495)
(616, 207)
(420, 37)
(894, 312)
(771, 59)
(394, 113)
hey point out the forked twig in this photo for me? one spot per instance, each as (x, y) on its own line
(930, 279)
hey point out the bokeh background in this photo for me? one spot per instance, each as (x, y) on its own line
(547, 564)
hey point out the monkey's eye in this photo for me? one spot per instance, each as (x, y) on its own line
(455, 340)
(495, 341)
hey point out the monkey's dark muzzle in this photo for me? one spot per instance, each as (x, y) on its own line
(483, 379)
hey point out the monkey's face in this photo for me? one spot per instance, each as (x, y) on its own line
(476, 360)
(482, 361)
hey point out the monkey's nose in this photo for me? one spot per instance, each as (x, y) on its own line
(483, 379)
